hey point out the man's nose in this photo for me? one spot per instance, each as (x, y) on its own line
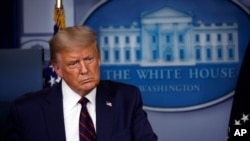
(83, 67)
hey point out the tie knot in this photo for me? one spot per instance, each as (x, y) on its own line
(83, 101)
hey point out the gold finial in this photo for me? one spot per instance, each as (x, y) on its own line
(58, 3)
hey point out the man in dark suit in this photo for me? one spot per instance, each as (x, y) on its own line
(53, 114)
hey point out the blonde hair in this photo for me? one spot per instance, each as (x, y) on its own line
(71, 38)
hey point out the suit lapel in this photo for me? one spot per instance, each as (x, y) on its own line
(104, 112)
(53, 111)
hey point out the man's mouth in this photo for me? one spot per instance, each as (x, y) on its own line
(86, 80)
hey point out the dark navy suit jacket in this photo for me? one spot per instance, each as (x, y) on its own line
(38, 116)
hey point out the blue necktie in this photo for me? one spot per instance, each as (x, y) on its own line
(86, 126)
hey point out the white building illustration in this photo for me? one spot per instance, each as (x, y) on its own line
(167, 36)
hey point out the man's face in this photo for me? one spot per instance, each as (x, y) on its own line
(79, 68)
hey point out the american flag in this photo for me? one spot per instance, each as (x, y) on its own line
(49, 76)
(108, 103)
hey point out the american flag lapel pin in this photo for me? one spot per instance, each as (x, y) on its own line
(108, 103)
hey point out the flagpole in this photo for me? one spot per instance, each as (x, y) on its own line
(59, 16)
(58, 3)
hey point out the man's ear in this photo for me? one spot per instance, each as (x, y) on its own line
(57, 69)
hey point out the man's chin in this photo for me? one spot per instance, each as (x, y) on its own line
(88, 86)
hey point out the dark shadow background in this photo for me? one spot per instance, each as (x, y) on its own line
(9, 39)
(9, 23)
(21, 72)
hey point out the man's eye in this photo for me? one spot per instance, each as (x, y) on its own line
(89, 59)
(73, 64)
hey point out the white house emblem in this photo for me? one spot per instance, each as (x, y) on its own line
(180, 60)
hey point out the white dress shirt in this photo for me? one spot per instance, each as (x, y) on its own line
(71, 111)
